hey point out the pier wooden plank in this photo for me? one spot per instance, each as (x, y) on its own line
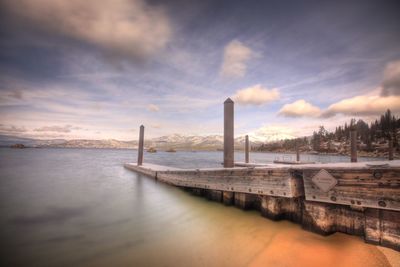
(361, 185)
(364, 185)
(243, 181)
(275, 181)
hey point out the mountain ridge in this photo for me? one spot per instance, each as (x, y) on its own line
(176, 141)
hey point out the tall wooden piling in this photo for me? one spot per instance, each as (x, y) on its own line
(297, 152)
(246, 148)
(140, 148)
(353, 144)
(390, 149)
(228, 134)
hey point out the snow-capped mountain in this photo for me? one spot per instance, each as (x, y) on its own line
(186, 142)
(176, 141)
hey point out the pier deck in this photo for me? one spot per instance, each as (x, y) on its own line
(357, 198)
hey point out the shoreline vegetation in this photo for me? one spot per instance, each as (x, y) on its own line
(373, 140)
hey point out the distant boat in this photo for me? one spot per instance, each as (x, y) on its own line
(170, 150)
(151, 150)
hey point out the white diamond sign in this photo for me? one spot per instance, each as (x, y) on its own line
(324, 180)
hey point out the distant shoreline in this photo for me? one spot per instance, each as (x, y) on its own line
(361, 154)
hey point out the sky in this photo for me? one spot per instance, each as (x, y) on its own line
(99, 69)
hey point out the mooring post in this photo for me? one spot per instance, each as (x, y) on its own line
(353, 144)
(140, 148)
(246, 148)
(391, 149)
(297, 152)
(228, 134)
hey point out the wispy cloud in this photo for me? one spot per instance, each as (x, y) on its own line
(57, 129)
(11, 129)
(391, 79)
(155, 126)
(236, 55)
(372, 103)
(256, 95)
(153, 108)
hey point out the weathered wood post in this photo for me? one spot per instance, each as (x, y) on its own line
(246, 148)
(140, 148)
(228, 134)
(353, 144)
(297, 152)
(391, 149)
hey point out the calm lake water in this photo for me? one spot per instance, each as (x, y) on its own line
(80, 207)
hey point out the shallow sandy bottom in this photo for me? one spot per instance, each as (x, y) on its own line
(252, 241)
(294, 248)
(392, 256)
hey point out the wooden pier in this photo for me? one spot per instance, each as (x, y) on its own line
(356, 198)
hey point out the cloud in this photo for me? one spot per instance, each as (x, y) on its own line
(11, 129)
(57, 129)
(153, 108)
(127, 28)
(364, 105)
(300, 108)
(236, 56)
(16, 94)
(391, 79)
(374, 103)
(255, 95)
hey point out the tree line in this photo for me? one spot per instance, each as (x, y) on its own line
(370, 135)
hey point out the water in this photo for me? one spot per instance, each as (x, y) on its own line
(203, 159)
(80, 207)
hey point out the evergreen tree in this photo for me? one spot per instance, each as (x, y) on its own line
(377, 132)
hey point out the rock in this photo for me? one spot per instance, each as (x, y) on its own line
(18, 146)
